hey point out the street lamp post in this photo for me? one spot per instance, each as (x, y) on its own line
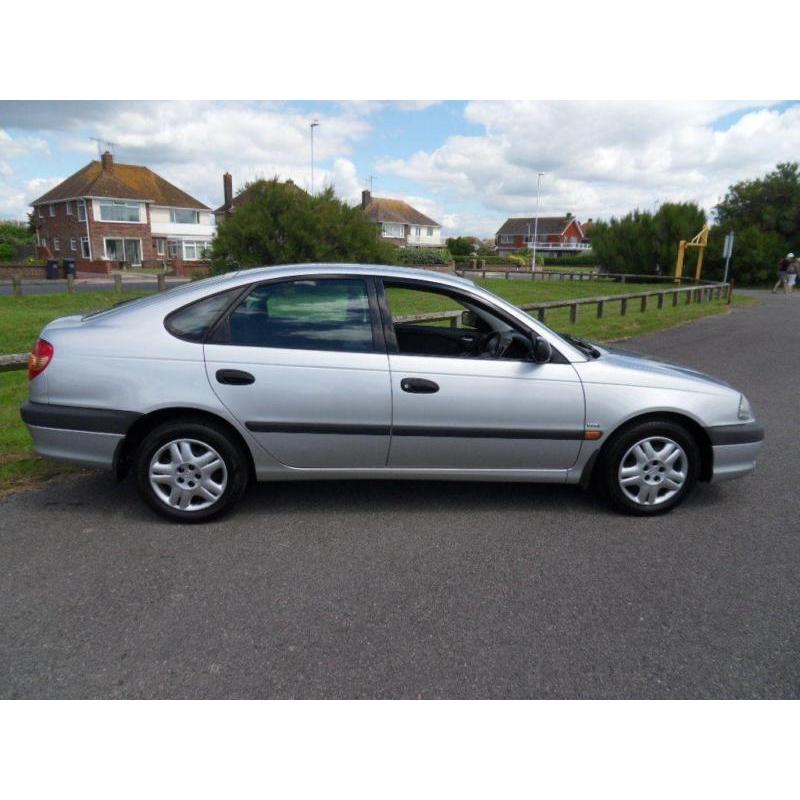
(313, 125)
(536, 220)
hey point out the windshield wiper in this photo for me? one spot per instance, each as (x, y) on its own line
(582, 344)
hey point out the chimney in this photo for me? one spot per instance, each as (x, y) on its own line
(107, 160)
(227, 190)
(366, 198)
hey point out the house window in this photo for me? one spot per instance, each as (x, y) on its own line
(194, 251)
(69, 208)
(160, 246)
(430, 231)
(393, 230)
(43, 241)
(184, 216)
(119, 211)
(56, 243)
(52, 210)
(81, 211)
(85, 247)
(129, 250)
(41, 214)
(73, 245)
(417, 231)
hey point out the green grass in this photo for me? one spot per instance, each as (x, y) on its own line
(22, 318)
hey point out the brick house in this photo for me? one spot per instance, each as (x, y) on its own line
(400, 223)
(107, 213)
(554, 235)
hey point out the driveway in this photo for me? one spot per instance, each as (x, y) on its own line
(427, 590)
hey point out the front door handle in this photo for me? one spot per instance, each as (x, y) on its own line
(235, 377)
(418, 386)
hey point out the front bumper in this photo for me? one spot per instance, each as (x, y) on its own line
(734, 449)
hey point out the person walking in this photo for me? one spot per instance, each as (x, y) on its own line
(783, 269)
(791, 275)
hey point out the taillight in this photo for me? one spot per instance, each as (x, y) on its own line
(40, 357)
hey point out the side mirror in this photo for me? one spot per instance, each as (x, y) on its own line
(541, 351)
(469, 319)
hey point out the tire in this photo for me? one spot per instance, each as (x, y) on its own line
(166, 472)
(650, 468)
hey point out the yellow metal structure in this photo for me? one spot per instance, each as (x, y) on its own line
(700, 241)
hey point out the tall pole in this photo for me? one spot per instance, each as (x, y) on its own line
(313, 125)
(536, 219)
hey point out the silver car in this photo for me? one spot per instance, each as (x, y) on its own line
(323, 371)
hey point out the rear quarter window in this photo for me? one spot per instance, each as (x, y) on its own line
(194, 321)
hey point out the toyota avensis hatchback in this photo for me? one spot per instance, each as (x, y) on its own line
(321, 371)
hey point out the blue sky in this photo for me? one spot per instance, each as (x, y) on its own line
(467, 164)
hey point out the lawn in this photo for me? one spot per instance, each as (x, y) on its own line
(22, 318)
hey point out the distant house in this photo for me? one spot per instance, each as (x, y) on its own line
(231, 202)
(121, 213)
(400, 223)
(554, 235)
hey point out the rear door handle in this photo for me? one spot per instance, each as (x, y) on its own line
(235, 377)
(418, 386)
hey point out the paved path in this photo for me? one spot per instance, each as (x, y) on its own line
(438, 590)
(130, 283)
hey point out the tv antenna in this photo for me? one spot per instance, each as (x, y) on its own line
(103, 144)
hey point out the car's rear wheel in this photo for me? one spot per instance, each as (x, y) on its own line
(190, 471)
(650, 468)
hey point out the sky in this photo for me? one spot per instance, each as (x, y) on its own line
(469, 165)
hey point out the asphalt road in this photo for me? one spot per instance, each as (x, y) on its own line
(427, 590)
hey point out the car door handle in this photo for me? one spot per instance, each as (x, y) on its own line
(418, 386)
(235, 377)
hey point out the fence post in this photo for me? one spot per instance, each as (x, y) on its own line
(162, 283)
(623, 306)
(540, 315)
(688, 293)
(599, 309)
(660, 300)
(674, 299)
(730, 292)
(16, 283)
(117, 282)
(643, 305)
(622, 279)
(70, 284)
(573, 313)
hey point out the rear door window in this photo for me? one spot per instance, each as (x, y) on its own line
(303, 314)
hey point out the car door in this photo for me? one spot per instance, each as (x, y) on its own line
(464, 411)
(301, 363)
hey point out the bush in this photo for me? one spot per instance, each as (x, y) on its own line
(582, 260)
(459, 246)
(422, 255)
(7, 251)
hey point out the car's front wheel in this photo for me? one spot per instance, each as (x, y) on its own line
(650, 468)
(190, 471)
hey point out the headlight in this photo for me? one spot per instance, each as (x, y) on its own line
(745, 412)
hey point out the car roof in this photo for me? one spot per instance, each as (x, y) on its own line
(384, 270)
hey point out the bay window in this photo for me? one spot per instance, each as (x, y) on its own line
(393, 230)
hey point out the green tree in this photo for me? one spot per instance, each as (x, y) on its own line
(764, 215)
(281, 224)
(644, 243)
(15, 233)
(459, 246)
(6, 251)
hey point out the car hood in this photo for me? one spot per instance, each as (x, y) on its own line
(617, 365)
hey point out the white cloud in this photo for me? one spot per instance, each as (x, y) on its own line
(601, 158)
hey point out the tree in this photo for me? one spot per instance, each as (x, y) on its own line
(460, 246)
(764, 214)
(6, 251)
(281, 224)
(645, 243)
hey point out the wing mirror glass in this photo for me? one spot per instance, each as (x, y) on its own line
(541, 351)
(469, 319)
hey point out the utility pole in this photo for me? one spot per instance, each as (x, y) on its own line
(536, 219)
(314, 124)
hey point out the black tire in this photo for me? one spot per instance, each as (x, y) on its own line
(236, 467)
(616, 449)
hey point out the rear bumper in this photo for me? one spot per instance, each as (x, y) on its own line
(86, 448)
(734, 449)
(84, 436)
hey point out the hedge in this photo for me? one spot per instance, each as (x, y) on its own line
(422, 255)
